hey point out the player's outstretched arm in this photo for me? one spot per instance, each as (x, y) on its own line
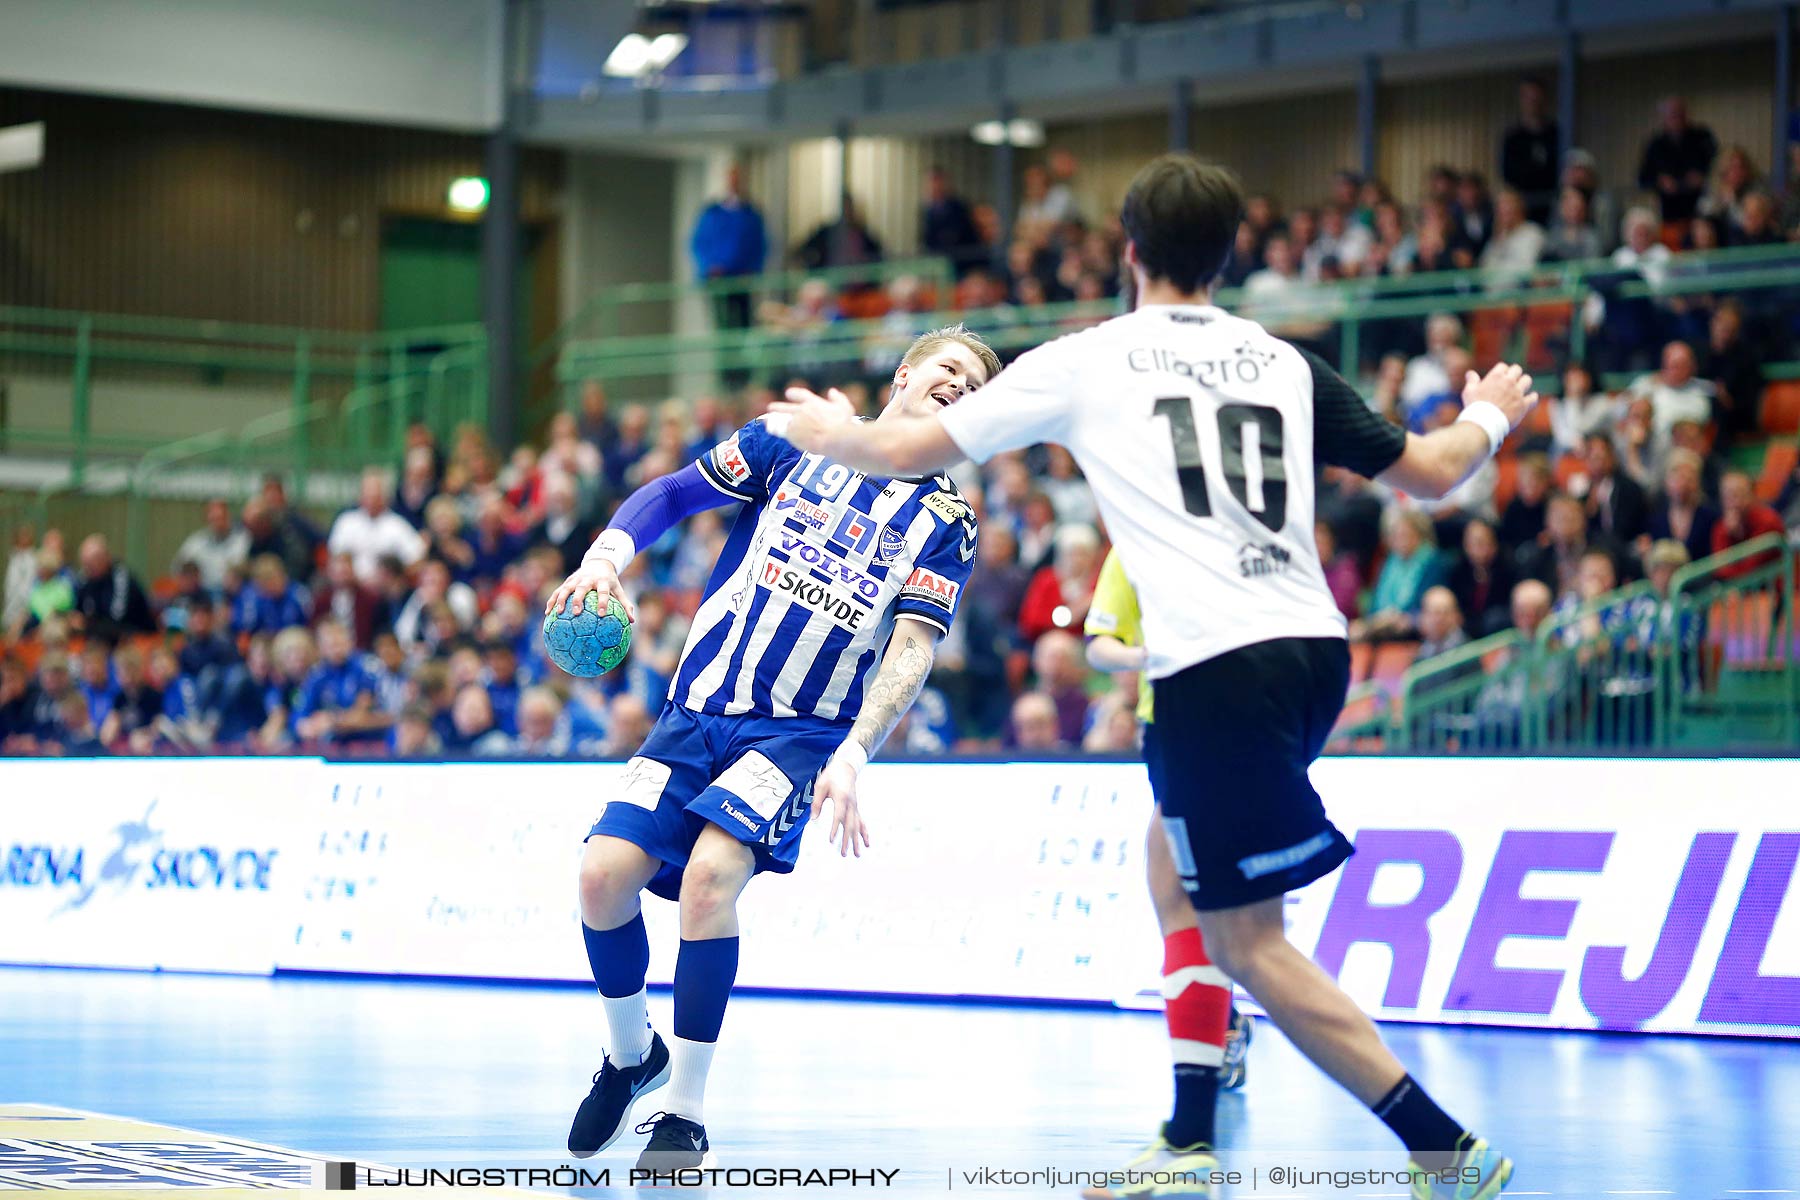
(896, 445)
(646, 515)
(1436, 464)
(896, 685)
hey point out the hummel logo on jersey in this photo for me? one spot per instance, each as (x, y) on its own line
(748, 822)
(1266, 559)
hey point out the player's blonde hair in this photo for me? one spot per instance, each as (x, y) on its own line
(959, 333)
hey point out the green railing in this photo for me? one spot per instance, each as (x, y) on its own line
(1535, 316)
(1733, 667)
(61, 366)
(1711, 664)
(1475, 698)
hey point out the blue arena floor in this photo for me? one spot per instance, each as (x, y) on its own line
(411, 1074)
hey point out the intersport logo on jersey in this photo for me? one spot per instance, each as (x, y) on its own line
(789, 500)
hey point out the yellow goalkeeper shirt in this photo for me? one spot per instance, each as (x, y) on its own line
(1114, 613)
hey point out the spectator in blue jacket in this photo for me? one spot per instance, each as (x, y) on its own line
(272, 602)
(337, 700)
(729, 241)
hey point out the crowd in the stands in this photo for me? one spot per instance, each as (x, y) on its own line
(409, 624)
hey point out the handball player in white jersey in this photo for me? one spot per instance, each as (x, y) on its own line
(1200, 434)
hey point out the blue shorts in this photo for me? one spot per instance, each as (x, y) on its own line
(752, 776)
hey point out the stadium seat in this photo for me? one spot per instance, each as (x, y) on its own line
(1508, 482)
(1537, 421)
(30, 652)
(863, 305)
(1490, 331)
(1391, 661)
(1546, 331)
(1567, 468)
(1781, 407)
(1778, 464)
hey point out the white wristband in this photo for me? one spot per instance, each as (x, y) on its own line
(613, 546)
(1487, 416)
(777, 423)
(851, 751)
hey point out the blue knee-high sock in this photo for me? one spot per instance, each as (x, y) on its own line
(619, 958)
(704, 973)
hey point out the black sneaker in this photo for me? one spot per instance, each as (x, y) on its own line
(601, 1118)
(676, 1144)
(1235, 1069)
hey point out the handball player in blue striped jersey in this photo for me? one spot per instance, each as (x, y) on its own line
(818, 628)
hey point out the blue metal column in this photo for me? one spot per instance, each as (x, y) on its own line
(500, 239)
(1368, 86)
(1003, 182)
(1568, 94)
(1784, 95)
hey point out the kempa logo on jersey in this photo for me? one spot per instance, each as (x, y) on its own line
(1247, 367)
(812, 594)
(867, 589)
(1264, 559)
(816, 516)
(924, 585)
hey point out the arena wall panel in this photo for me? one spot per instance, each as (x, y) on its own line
(1727, 88)
(1650, 896)
(1455, 121)
(433, 63)
(167, 210)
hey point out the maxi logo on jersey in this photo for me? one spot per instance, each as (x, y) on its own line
(924, 585)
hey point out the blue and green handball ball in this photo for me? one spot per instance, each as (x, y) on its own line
(591, 642)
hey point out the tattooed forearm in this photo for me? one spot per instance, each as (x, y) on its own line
(895, 686)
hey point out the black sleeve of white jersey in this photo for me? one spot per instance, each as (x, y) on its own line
(1347, 432)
